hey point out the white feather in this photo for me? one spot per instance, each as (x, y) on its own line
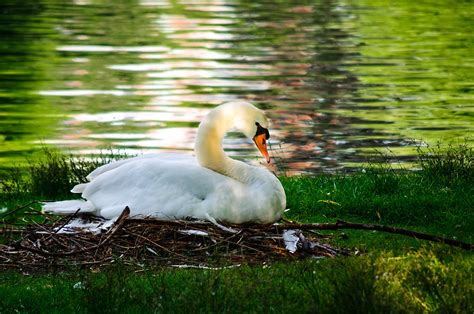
(177, 186)
(68, 207)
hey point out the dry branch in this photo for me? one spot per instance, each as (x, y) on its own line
(151, 242)
(181, 242)
(17, 209)
(350, 225)
(326, 226)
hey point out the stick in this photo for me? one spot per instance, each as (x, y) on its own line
(17, 209)
(327, 226)
(6, 231)
(67, 221)
(349, 225)
(157, 245)
(118, 224)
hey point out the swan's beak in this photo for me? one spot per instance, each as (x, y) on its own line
(261, 142)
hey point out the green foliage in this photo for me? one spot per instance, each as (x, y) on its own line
(451, 165)
(418, 281)
(53, 175)
(397, 275)
(421, 281)
(397, 198)
(13, 182)
(439, 196)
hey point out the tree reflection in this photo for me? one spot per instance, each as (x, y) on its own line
(24, 47)
(85, 75)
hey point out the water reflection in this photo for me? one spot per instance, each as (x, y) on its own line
(338, 79)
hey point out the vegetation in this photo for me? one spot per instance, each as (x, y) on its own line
(51, 176)
(451, 165)
(418, 281)
(388, 273)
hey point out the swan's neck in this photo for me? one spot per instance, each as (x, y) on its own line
(208, 146)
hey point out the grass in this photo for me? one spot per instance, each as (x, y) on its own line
(449, 165)
(419, 281)
(51, 176)
(405, 199)
(390, 274)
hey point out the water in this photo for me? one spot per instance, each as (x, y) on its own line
(339, 79)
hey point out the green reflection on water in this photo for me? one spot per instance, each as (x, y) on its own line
(423, 81)
(26, 49)
(339, 79)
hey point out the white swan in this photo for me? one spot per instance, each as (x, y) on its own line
(211, 186)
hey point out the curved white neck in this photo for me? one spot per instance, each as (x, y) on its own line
(208, 146)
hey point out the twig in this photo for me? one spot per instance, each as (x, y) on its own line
(349, 225)
(42, 247)
(216, 243)
(118, 224)
(325, 226)
(17, 209)
(157, 245)
(67, 221)
(6, 231)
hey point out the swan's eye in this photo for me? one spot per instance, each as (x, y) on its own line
(262, 130)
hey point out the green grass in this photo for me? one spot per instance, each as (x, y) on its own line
(405, 199)
(416, 282)
(448, 165)
(390, 274)
(51, 176)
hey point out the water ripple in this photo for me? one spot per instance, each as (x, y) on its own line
(337, 79)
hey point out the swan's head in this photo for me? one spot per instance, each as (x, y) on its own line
(239, 115)
(253, 123)
(260, 139)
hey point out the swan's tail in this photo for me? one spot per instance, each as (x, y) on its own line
(68, 207)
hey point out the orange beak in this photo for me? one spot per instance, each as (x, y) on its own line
(261, 142)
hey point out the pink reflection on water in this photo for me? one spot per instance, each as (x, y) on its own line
(179, 84)
(208, 99)
(203, 54)
(104, 48)
(163, 114)
(155, 3)
(182, 64)
(210, 73)
(79, 92)
(164, 138)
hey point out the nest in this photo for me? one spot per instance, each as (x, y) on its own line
(151, 242)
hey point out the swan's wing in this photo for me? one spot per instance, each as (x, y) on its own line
(118, 163)
(167, 189)
(170, 189)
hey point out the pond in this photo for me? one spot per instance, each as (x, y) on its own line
(341, 80)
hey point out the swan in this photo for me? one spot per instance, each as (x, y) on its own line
(210, 186)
